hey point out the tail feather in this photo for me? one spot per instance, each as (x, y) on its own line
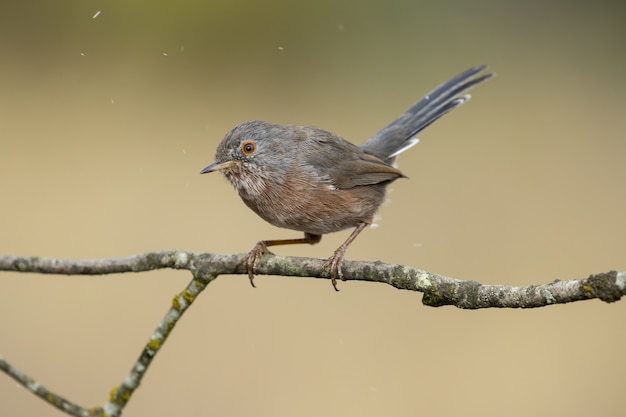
(398, 136)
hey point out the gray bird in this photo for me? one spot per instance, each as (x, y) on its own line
(311, 180)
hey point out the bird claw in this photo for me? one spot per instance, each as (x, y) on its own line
(334, 264)
(252, 258)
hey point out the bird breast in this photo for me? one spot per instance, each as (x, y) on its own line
(306, 201)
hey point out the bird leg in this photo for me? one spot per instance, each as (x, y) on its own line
(261, 249)
(335, 261)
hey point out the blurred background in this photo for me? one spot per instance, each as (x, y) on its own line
(109, 109)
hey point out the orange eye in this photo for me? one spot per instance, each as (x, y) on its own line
(248, 147)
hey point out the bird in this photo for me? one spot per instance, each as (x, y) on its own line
(310, 180)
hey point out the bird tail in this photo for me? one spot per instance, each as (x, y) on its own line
(399, 135)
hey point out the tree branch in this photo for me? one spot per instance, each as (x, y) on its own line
(438, 291)
(45, 394)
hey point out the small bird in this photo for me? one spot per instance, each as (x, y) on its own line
(310, 180)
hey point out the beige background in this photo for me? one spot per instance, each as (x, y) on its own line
(105, 123)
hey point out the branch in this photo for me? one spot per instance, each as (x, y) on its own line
(438, 291)
(46, 395)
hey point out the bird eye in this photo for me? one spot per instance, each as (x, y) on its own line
(248, 147)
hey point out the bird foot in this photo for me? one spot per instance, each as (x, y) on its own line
(252, 258)
(334, 264)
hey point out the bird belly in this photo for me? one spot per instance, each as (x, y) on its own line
(316, 209)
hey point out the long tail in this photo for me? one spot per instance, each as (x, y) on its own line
(399, 135)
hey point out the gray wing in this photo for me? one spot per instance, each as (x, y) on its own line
(346, 165)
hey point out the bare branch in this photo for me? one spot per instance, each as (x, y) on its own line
(45, 394)
(181, 302)
(438, 291)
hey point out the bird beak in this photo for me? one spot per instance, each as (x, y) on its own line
(217, 166)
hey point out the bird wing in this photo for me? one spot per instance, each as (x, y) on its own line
(345, 164)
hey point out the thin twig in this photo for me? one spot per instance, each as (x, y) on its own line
(45, 394)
